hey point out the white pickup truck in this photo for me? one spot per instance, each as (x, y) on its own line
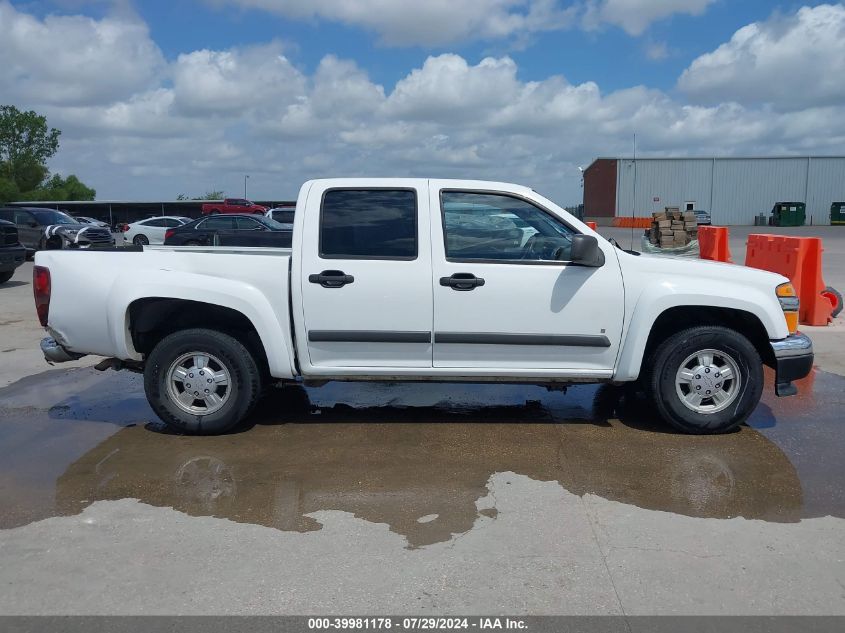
(426, 280)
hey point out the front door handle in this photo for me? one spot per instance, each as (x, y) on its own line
(331, 279)
(462, 281)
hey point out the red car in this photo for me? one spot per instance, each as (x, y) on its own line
(232, 205)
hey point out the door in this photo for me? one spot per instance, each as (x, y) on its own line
(365, 276)
(29, 230)
(204, 232)
(505, 294)
(153, 230)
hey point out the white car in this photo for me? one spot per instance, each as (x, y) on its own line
(152, 230)
(282, 215)
(389, 280)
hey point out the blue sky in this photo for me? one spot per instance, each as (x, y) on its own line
(156, 99)
(609, 56)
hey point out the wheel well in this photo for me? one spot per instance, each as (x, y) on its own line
(150, 320)
(679, 318)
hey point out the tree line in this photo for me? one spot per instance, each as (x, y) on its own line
(26, 144)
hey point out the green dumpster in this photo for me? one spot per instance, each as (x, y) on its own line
(789, 214)
(837, 213)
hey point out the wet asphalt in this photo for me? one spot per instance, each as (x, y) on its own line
(416, 457)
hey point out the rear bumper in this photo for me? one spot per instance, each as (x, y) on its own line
(11, 257)
(793, 360)
(55, 353)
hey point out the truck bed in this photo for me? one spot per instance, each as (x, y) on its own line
(92, 289)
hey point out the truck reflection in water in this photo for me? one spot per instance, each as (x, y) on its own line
(423, 470)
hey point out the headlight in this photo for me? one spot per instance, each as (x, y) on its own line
(789, 303)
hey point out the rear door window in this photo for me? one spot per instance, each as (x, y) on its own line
(24, 217)
(218, 224)
(369, 224)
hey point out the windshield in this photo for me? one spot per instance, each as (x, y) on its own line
(47, 216)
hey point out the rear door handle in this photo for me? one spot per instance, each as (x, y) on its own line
(331, 279)
(462, 281)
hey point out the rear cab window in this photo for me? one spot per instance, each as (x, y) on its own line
(369, 224)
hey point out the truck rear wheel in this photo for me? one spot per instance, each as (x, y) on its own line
(706, 380)
(201, 381)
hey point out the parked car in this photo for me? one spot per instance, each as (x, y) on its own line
(12, 253)
(282, 215)
(383, 284)
(41, 229)
(231, 230)
(232, 205)
(702, 217)
(83, 219)
(152, 230)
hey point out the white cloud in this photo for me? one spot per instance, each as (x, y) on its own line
(635, 16)
(792, 61)
(228, 82)
(440, 22)
(74, 59)
(428, 22)
(447, 88)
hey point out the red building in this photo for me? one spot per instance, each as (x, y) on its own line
(600, 188)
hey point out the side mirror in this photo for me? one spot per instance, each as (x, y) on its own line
(586, 252)
(33, 224)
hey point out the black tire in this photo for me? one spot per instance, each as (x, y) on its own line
(245, 383)
(6, 276)
(214, 212)
(837, 296)
(140, 240)
(192, 243)
(667, 361)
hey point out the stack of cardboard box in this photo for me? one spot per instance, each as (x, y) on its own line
(672, 228)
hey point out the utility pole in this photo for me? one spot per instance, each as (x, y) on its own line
(246, 177)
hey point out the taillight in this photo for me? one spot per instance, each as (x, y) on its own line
(169, 233)
(41, 291)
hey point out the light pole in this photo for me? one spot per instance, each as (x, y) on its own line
(246, 177)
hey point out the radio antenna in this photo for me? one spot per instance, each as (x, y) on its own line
(634, 202)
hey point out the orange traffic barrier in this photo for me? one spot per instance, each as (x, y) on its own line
(713, 243)
(592, 225)
(800, 259)
(635, 223)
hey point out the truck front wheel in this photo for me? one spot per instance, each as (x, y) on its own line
(706, 380)
(201, 381)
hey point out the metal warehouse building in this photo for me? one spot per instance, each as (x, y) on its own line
(733, 190)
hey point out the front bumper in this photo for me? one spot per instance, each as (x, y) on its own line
(11, 257)
(793, 360)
